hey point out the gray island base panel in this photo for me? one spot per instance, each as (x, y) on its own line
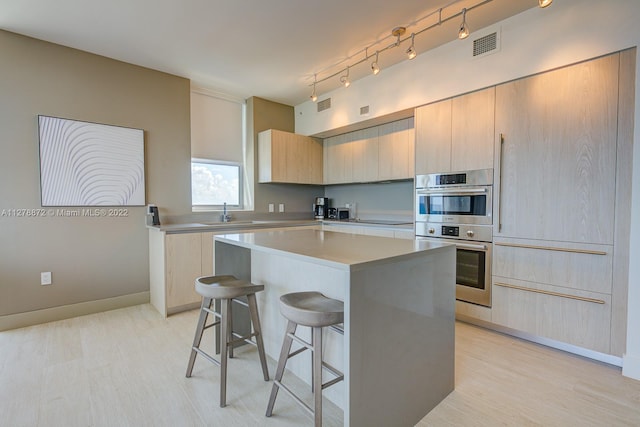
(397, 352)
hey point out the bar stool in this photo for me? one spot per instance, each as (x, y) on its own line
(227, 289)
(314, 310)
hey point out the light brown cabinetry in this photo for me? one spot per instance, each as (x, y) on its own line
(175, 261)
(557, 161)
(338, 159)
(379, 153)
(285, 157)
(455, 134)
(396, 150)
(556, 242)
(365, 158)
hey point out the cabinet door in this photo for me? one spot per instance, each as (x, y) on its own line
(395, 148)
(364, 152)
(472, 130)
(339, 160)
(558, 159)
(433, 138)
(207, 257)
(289, 158)
(576, 317)
(183, 260)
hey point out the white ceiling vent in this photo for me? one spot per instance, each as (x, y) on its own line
(486, 45)
(325, 104)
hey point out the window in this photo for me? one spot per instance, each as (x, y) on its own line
(215, 183)
(221, 163)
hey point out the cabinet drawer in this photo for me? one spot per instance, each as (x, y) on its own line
(571, 316)
(584, 267)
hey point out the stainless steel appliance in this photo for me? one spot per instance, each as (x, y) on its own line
(321, 207)
(459, 198)
(343, 214)
(332, 213)
(456, 208)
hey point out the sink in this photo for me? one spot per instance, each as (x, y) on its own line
(232, 223)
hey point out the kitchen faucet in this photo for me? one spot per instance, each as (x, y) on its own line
(225, 216)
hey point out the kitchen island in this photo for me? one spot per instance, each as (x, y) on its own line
(397, 352)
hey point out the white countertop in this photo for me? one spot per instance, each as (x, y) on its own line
(338, 250)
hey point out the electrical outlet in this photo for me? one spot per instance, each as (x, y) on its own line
(271, 208)
(281, 207)
(45, 278)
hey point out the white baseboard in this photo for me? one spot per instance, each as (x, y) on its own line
(20, 320)
(631, 366)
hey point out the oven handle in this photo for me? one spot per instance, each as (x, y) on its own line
(471, 246)
(460, 191)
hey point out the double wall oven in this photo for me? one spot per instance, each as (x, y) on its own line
(456, 208)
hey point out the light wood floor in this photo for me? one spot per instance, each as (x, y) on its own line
(126, 368)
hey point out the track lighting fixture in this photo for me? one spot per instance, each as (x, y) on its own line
(544, 3)
(345, 79)
(463, 33)
(438, 17)
(411, 52)
(314, 96)
(375, 68)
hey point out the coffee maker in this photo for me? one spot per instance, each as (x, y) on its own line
(320, 207)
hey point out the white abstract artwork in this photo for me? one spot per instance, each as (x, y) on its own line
(89, 164)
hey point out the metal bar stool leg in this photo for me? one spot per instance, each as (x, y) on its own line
(282, 361)
(255, 320)
(317, 375)
(224, 347)
(206, 303)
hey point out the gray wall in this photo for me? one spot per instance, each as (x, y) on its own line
(90, 258)
(375, 201)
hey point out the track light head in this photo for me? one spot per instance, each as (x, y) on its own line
(411, 52)
(463, 33)
(544, 3)
(375, 68)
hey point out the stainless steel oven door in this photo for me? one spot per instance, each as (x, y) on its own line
(473, 270)
(468, 205)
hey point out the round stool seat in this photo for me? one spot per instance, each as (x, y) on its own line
(225, 287)
(311, 309)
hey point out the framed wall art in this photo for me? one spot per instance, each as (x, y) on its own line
(90, 164)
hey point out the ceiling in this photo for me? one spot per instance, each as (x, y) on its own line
(244, 48)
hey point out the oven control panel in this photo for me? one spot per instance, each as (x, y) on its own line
(473, 232)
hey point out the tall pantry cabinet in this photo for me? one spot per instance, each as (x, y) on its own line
(559, 216)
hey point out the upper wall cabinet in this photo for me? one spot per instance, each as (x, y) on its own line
(285, 157)
(456, 134)
(379, 153)
(396, 150)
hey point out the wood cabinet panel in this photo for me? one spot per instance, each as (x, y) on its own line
(472, 130)
(289, 158)
(580, 322)
(433, 138)
(183, 266)
(364, 152)
(396, 150)
(585, 267)
(207, 254)
(339, 160)
(456, 134)
(556, 176)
